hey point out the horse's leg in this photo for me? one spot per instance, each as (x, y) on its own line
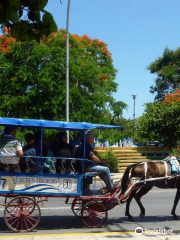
(176, 200)
(138, 196)
(130, 217)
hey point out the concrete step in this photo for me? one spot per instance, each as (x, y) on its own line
(116, 148)
(132, 161)
(122, 169)
(131, 157)
(116, 151)
(127, 154)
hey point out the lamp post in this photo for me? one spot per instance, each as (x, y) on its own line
(134, 98)
(67, 65)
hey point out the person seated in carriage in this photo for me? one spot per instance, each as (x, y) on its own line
(98, 165)
(63, 150)
(10, 150)
(29, 163)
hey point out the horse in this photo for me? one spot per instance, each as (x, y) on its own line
(143, 177)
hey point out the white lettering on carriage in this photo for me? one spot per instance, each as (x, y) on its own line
(36, 180)
(47, 180)
(25, 180)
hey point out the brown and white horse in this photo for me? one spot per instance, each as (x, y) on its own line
(152, 173)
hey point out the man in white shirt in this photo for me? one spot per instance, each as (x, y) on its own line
(10, 150)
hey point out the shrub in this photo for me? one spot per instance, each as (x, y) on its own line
(111, 158)
(175, 152)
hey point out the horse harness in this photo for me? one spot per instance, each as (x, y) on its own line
(173, 161)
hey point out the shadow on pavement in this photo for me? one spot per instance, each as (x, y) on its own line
(145, 219)
(72, 222)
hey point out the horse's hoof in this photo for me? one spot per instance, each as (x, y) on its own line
(131, 219)
(142, 215)
(175, 217)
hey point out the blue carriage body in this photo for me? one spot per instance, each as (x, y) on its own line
(46, 184)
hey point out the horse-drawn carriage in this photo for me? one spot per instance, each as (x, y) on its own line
(24, 191)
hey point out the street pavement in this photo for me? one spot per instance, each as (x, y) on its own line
(95, 236)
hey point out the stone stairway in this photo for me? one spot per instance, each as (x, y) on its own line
(126, 156)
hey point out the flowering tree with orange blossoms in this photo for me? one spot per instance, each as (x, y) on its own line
(5, 43)
(173, 97)
(32, 79)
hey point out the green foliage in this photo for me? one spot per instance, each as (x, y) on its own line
(161, 121)
(114, 136)
(26, 19)
(111, 158)
(32, 80)
(175, 152)
(167, 69)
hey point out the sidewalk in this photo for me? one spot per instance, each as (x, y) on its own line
(93, 236)
(116, 176)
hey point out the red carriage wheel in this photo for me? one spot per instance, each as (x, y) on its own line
(77, 207)
(22, 214)
(94, 214)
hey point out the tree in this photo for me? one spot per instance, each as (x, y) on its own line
(32, 79)
(160, 121)
(26, 19)
(173, 97)
(167, 69)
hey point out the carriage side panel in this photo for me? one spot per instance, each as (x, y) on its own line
(40, 185)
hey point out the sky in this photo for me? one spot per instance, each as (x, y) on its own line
(136, 32)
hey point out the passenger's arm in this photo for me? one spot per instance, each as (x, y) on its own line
(19, 150)
(20, 153)
(94, 158)
(97, 160)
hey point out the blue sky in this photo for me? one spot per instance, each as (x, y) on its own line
(136, 31)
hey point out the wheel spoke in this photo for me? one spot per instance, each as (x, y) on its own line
(24, 219)
(22, 224)
(17, 223)
(16, 219)
(28, 220)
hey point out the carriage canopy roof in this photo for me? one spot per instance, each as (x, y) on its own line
(34, 123)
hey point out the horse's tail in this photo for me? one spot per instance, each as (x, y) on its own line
(125, 178)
